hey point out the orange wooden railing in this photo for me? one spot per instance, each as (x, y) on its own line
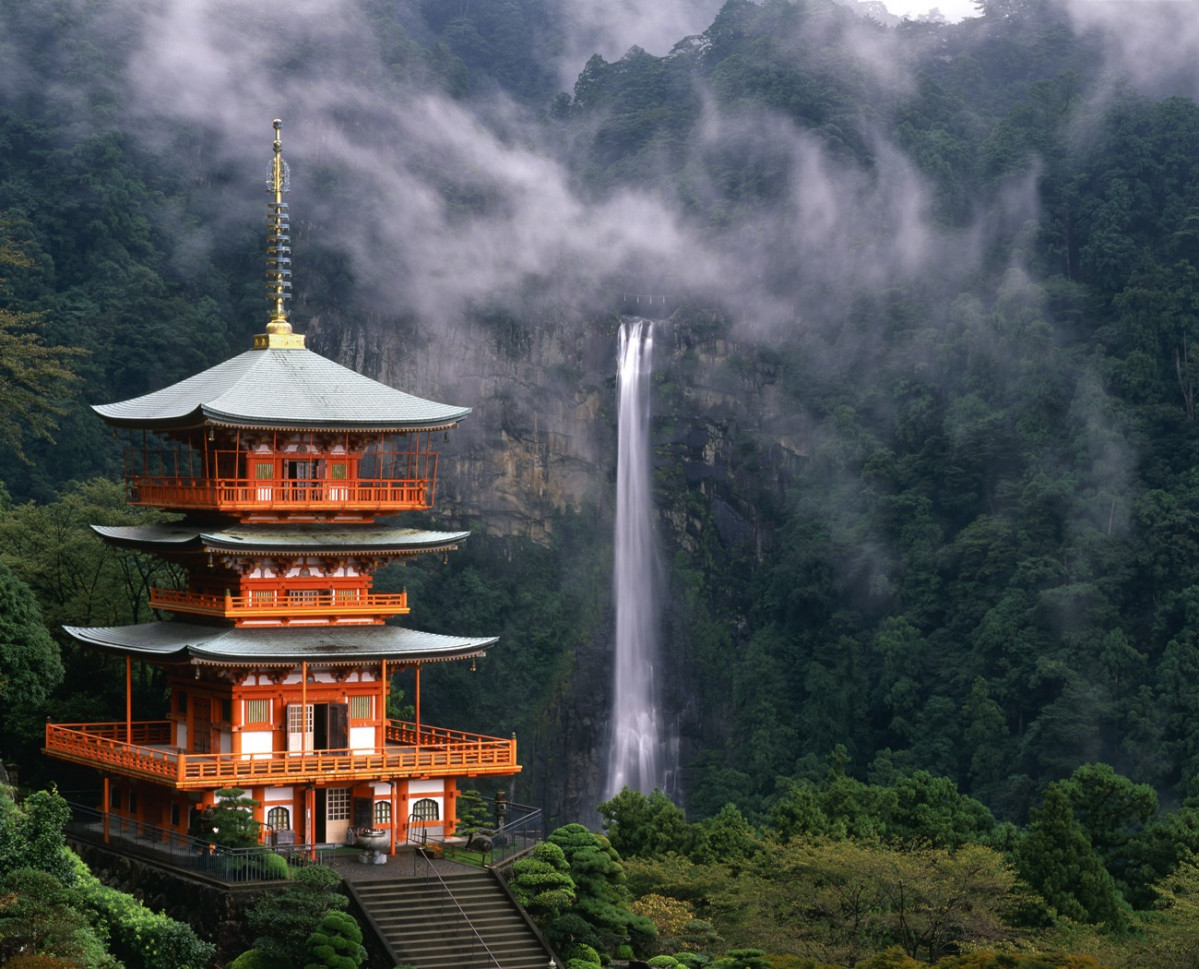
(282, 605)
(439, 753)
(279, 494)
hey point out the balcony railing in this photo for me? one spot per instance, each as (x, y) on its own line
(431, 752)
(282, 606)
(280, 494)
(163, 845)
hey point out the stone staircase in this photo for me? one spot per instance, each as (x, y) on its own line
(451, 921)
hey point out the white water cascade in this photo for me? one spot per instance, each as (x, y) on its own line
(638, 756)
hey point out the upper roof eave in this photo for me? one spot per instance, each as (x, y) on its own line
(277, 388)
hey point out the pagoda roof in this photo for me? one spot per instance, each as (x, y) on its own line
(276, 388)
(262, 539)
(181, 642)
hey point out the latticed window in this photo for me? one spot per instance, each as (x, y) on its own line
(382, 812)
(278, 818)
(361, 707)
(337, 804)
(258, 711)
(426, 809)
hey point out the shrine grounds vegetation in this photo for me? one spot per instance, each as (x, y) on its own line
(931, 599)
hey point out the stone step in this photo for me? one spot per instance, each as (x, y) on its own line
(421, 924)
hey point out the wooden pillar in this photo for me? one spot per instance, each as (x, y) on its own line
(416, 704)
(128, 698)
(106, 795)
(395, 819)
(381, 735)
(310, 814)
(303, 706)
(451, 807)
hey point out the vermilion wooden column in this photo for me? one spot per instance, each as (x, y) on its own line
(381, 735)
(416, 705)
(303, 706)
(106, 794)
(394, 816)
(128, 699)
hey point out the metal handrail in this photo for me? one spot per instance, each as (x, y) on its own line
(133, 837)
(430, 867)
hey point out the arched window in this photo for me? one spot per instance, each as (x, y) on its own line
(382, 812)
(278, 818)
(426, 809)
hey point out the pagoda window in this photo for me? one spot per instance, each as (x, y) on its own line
(258, 711)
(278, 818)
(361, 707)
(226, 710)
(202, 719)
(337, 804)
(382, 812)
(426, 809)
(300, 721)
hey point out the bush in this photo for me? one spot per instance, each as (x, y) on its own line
(336, 943)
(664, 962)
(140, 938)
(583, 954)
(250, 959)
(275, 867)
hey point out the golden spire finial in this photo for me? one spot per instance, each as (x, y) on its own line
(278, 255)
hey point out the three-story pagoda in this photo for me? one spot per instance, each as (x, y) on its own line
(279, 658)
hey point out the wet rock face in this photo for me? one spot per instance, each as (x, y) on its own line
(542, 434)
(542, 438)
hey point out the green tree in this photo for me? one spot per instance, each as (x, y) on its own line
(336, 943)
(646, 826)
(282, 921)
(1055, 857)
(542, 883)
(231, 822)
(31, 834)
(39, 916)
(34, 377)
(30, 665)
(600, 916)
(1113, 811)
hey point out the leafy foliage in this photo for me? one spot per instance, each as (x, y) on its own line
(336, 943)
(282, 921)
(30, 665)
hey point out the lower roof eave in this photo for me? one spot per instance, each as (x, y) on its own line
(171, 643)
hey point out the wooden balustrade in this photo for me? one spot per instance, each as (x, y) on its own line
(283, 604)
(439, 753)
(280, 494)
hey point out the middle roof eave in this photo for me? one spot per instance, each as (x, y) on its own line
(263, 539)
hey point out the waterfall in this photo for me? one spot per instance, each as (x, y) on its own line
(637, 758)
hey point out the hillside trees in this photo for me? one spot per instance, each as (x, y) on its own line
(34, 377)
(30, 665)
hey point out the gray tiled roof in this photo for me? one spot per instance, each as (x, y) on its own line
(282, 388)
(181, 536)
(224, 645)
